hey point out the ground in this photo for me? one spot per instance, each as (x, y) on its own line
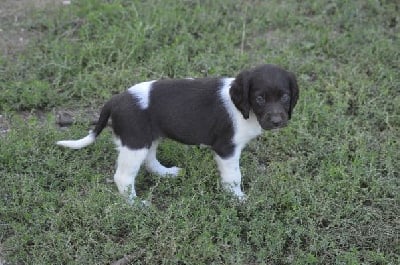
(14, 38)
(324, 190)
(15, 35)
(13, 16)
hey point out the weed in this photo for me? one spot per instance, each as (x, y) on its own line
(324, 190)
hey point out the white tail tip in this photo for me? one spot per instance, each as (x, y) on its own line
(78, 144)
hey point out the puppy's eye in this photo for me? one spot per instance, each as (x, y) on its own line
(260, 100)
(285, 98)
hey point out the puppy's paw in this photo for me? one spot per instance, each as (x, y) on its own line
(172, 172)
(145, 203)
(239, 195)
(237, 192)
(136, 202)
(242, 197)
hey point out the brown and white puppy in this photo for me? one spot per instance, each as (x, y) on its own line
(222, 113)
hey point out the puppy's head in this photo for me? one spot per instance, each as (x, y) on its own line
(267, 90)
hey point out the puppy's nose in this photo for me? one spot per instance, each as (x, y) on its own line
(276, 120)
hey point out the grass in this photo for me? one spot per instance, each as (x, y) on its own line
(324, 190)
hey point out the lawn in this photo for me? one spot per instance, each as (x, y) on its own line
(324, 190)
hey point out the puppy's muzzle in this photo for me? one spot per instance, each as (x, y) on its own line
(274, 121)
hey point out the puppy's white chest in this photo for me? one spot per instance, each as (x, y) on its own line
(245, 130)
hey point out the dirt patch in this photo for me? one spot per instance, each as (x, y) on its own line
(14, 19)
(63, 118)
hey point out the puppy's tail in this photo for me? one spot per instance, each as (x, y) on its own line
(91, 137)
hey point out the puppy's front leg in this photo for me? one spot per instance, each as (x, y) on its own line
(230, 174)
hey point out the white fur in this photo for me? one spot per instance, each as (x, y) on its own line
(154, 166)
(129, 161)
(78, 144)
(128, 165)
(141, 92)
(231, 177)
(244, 129)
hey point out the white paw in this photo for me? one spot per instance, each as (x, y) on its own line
(170, 172)
(145, 203)
(131, 199)
(236, 191)
(134, 201)
(156, 168)
(241, 197)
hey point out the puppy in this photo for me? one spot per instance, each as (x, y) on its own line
(222, 113)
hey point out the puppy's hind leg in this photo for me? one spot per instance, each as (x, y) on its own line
(154, 166)
(128, 165)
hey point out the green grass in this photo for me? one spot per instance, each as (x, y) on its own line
(324, 190)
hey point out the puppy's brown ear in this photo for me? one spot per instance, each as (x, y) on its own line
(240, 93)
(294, 91)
